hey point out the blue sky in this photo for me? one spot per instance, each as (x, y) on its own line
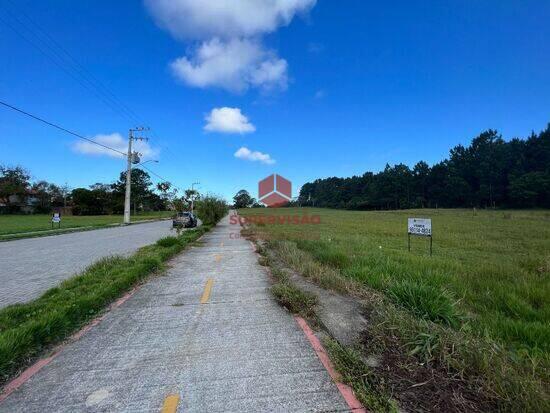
(314, 89)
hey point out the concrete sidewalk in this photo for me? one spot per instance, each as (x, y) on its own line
(237, 351)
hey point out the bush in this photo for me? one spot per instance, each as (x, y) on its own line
(426, 301)
(211, 209)
(167, 241)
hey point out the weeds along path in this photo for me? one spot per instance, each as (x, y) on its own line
(207, 336)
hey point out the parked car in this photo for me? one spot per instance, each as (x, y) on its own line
(184, 220)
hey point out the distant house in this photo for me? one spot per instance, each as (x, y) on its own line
(16, 203)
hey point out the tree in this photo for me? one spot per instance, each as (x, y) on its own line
(141, 183)
(242, 199)
(14, 185)
(168, 193)
(489, 172)
(45, 193)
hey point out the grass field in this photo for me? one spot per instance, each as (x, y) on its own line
(18, 224)
(489, 275)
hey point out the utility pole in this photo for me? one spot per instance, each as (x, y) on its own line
(193, 195)
(133, 157)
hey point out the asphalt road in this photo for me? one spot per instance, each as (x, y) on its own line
(207, 335)
(28, 267)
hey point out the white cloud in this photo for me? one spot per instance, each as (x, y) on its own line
(234, 65)
(201, 19)
(115, 141)
(229, 52)
(247, 154)
(228, 120)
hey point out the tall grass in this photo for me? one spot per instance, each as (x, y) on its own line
(487, 282)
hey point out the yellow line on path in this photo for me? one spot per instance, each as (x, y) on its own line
(170, 403)
(207, 290)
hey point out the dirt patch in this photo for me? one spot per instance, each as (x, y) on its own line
(424, 387)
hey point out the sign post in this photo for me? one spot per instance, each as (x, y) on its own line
(420, 227)
(56, 218)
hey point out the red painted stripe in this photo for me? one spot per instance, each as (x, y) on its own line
(345, 390)
(14, 384)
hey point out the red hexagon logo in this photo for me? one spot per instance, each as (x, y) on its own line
(274, 191)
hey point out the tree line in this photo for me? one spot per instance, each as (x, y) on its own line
(19, 195)
(490, 172)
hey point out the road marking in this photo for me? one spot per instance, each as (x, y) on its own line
(170, 403)
(207, 289)
(345, 390)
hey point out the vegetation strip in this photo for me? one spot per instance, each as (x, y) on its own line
(13, 385)
(62, 231)
(466, 319)
(27, 330)
(19, 224)
(346, 392)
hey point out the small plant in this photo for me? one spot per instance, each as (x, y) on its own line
(167, 242)
(370, 391)
(294, 299)
(426, 301)
(424, 346)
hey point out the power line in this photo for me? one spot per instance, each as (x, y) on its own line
(30, 115)
(41, 40)
(61, 128)
(83, 69)
(55, 59)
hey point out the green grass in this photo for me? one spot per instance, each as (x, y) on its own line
(366, 386)
(19, 224)
(28, 329)
(488, 279)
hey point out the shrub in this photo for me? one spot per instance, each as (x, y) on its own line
(211, 209)
(167, 242)
(426, 301)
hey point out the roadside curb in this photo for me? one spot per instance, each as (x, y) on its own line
(30, 371)
(345, 390)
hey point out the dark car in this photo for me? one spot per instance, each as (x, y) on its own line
(184, 220)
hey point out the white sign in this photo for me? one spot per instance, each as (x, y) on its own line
(420, 226)
(56, 217)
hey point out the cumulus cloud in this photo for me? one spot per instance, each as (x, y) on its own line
(228, 120)
(229, 52)
(199, 19)
(255, 156)
(234, 65)
(115, 141)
